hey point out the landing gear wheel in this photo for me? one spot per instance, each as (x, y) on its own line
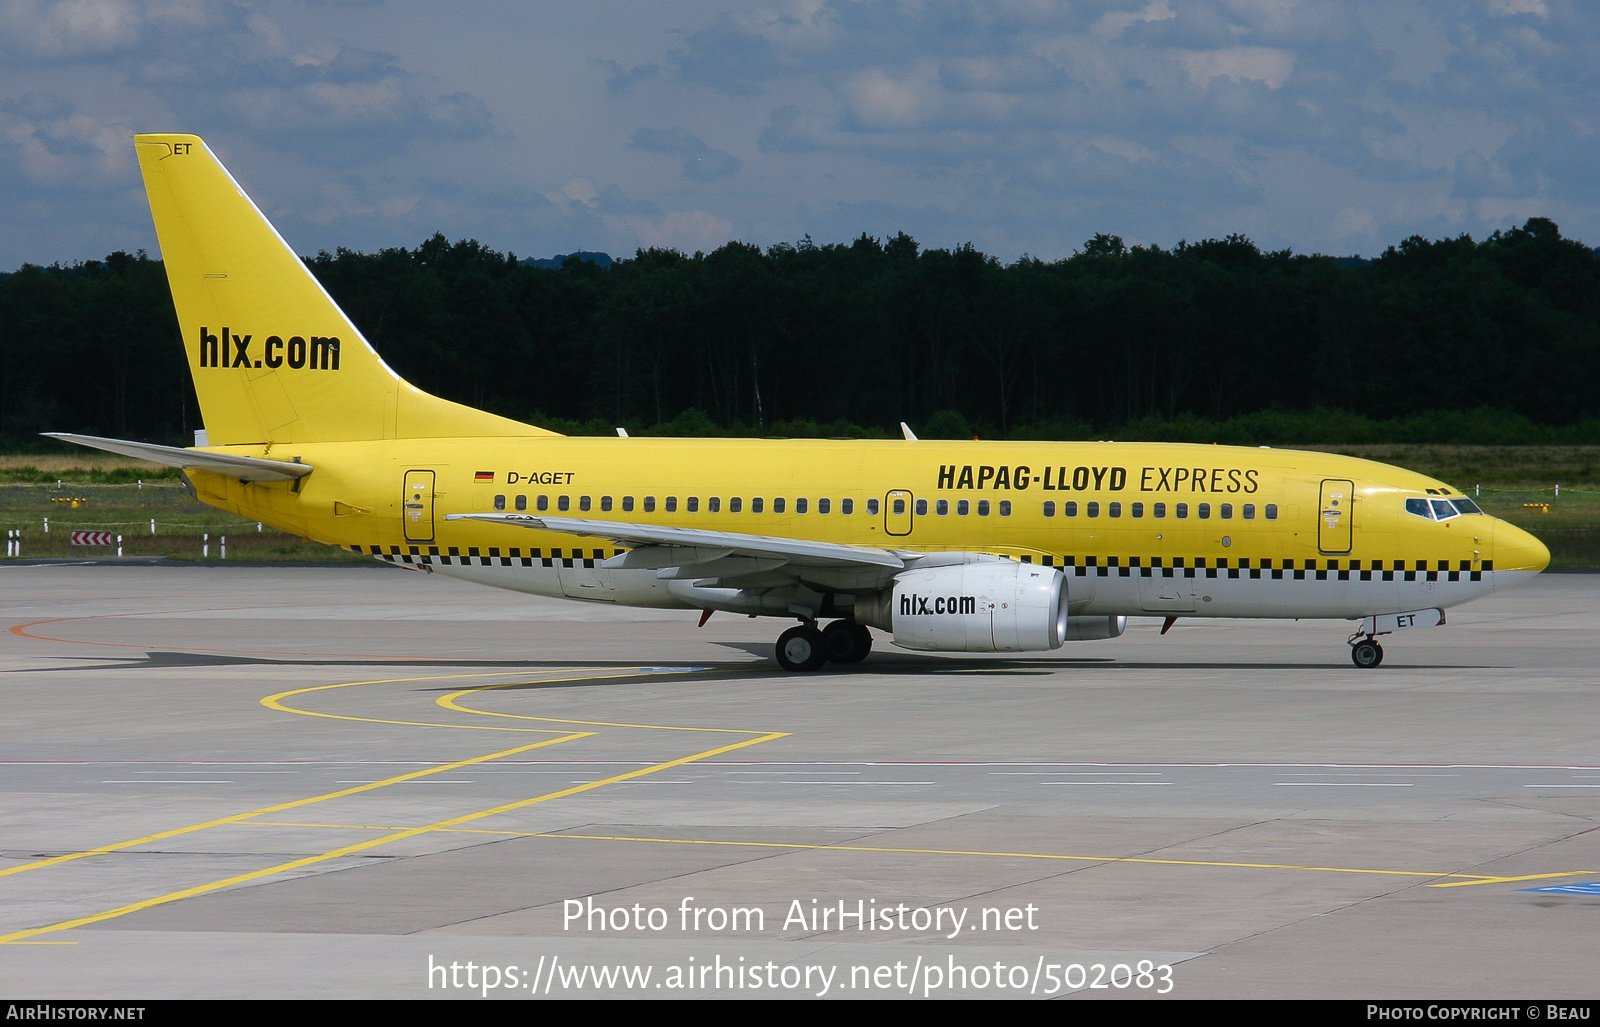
(846, 641)
(801, 648)
(1366, 654)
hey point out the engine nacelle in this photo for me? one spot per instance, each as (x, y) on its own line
(983, 607)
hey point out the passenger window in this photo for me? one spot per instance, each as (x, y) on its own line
(735, 504)
(777, 505)
(1182, 511)
(847, 506)
(899, 507)
(692, 504)
(872, 507)
(922, 508)
(1070, 508)
(1138, 510)
(1115, 510)
(1272, 511)
(583, 503)
(564, 503)
(962, 508)
(824, 505)
(1005, 508)
(627, 504)
(499, 502)
(757, 504)
(1050, 508)
(942, 507)
(522, 502)
(543, 503)
(649, 504)
(672, 504)
(1094, 508)
(800, 506)
(1205, 511)
(605, 504)
(1249, 511)
(1227, 511)
(983, 508)
(1160, 510)
(714, 504)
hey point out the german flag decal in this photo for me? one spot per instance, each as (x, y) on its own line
(483, 476)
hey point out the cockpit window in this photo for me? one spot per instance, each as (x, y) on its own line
(1442, 510)
(1467, 506)
(1419, 507)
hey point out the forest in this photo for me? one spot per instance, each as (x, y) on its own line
(1451, 340)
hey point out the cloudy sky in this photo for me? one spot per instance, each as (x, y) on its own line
(1022, 126)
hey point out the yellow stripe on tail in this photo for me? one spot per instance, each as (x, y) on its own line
(274, 359)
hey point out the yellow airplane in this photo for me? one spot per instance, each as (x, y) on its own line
(947, 546)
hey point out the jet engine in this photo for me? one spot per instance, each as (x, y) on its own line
(993, 606)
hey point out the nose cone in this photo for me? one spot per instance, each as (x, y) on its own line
(1516, 550)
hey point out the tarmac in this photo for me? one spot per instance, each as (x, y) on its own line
(235, 781)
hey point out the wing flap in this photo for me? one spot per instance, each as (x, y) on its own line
(796, 552)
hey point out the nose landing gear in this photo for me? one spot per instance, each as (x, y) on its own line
(1364, 652)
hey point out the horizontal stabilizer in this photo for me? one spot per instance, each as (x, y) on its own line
(246, 468)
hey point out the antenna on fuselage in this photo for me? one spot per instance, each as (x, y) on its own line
(905, 429)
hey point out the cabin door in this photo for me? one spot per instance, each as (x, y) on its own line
(1334, 516)
(897, 515)
(417, 506)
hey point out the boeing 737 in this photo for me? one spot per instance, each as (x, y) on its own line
(945, 546)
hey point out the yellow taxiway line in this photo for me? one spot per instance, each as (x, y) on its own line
(276, 702)
(372, 843)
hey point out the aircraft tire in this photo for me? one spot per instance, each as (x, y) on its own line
(801, 648)
(1366, 654)
(846, 641)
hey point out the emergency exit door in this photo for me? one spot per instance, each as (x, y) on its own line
(1334, 516)
(897, 515)
(417, 506)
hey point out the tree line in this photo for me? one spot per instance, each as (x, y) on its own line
(1496, 340)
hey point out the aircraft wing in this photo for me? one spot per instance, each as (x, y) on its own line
(248, 468)
(661, 546)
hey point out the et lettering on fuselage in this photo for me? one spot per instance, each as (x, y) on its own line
(540, 478)
(1099, 479)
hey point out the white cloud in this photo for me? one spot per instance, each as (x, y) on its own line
(1239, 64)
(58, 147)
(685, 230)
(878, 98)
(71, 28)
(1510, 8)
(1026, 123)
(57, 31)
(1351, 221)
(1114, 23)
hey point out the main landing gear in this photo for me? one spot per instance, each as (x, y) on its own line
(1364, 652)
(805, 648)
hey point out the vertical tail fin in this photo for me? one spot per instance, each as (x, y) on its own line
(274, 359)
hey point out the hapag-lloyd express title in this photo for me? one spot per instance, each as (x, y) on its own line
(1099, 479)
